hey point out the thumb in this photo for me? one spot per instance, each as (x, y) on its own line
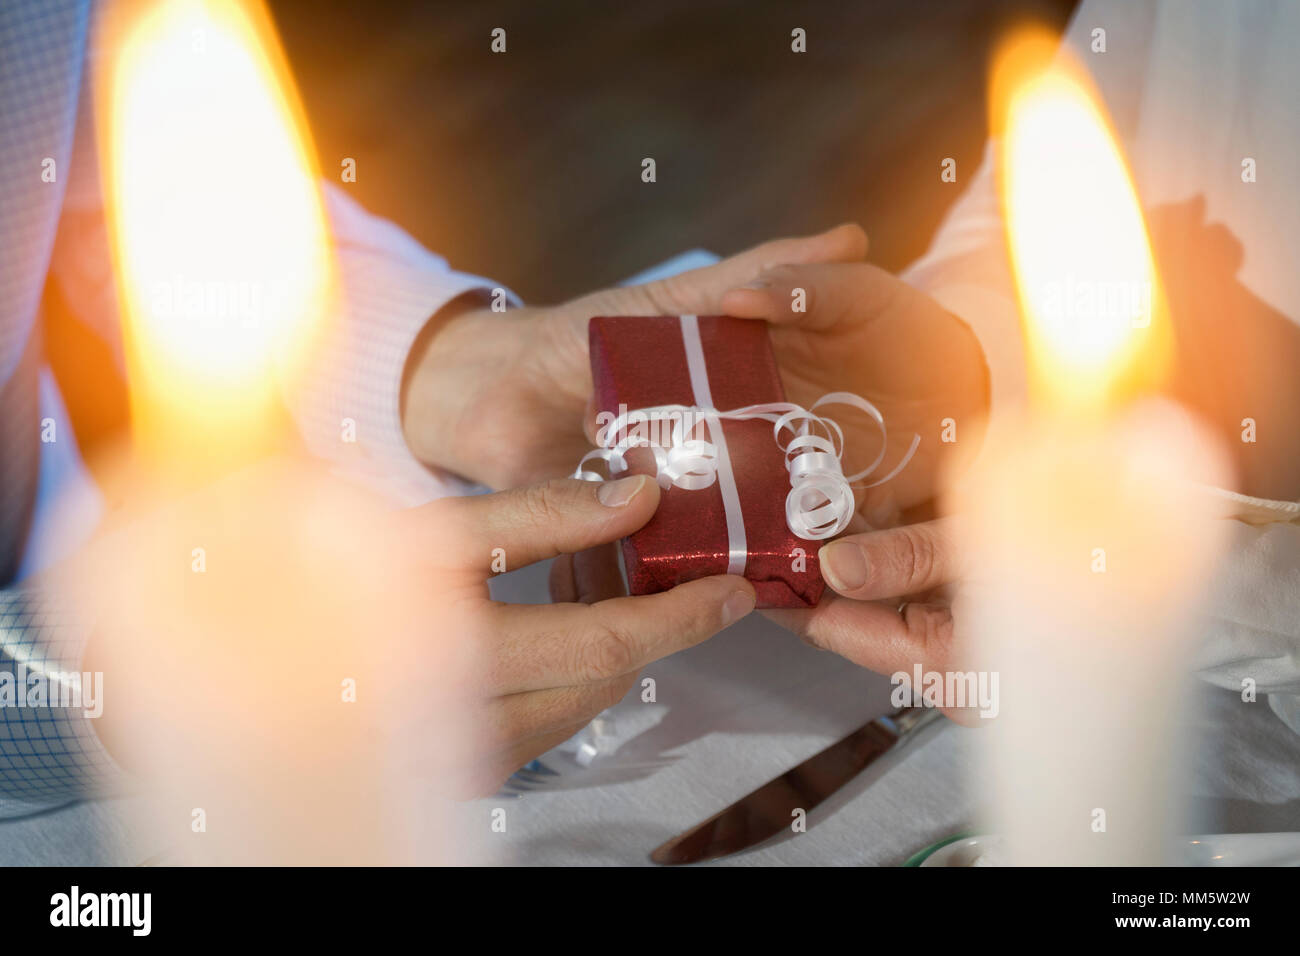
(909, 559)
(815, 295)
(542, 521)
(700, 291)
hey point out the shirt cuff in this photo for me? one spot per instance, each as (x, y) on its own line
(349, 407)
(50, 752)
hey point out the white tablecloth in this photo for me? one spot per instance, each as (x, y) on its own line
(731, 714)
(740, 709)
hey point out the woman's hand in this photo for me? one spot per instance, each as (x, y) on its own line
(863, 330)
(501, 398)
(891, 607)
(866, 331)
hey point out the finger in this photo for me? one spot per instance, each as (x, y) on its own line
(516, 718)
(846, 242)
(596, 574)
(489, 773)
(586, 577)
(883, 639)
(555, 645)
(858, 524)
(874, 634)
(526, 751)
(563, 588)
(883, 564)
(880, 509)
(541, 521)
(828, 294)
(700, 291)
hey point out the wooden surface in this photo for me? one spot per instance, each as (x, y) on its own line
(526, 166)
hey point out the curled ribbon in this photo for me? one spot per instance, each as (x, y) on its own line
(820, 503)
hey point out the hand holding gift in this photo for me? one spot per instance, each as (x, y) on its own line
(919, 365)
(751, 482)
(499, 397)
(866, 332)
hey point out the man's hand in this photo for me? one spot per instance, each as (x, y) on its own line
(501, 398)
(544, 671)
(282, 626)
(892, 606)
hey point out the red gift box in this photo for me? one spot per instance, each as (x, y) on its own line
(640, 362)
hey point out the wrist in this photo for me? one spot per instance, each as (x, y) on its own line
(463, 350)
(419, 356)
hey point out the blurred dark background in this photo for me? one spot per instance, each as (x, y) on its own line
(526, 166)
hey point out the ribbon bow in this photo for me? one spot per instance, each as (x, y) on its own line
(820, 503)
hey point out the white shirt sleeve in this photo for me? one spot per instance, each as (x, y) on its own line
(389, 287)
(348, 406)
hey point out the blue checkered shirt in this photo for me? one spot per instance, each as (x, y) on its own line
(52, 231)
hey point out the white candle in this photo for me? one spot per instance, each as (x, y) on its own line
(1089, 542)
(1091, 551)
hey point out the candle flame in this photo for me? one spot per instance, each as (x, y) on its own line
(1087, 282)
(216, 222)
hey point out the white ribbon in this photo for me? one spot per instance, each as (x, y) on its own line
(820, 503)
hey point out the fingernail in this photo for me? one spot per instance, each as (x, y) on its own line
(843, 565)
(737, 606)
(615, 494)
(759, 283)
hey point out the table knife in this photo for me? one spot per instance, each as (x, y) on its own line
(769, 809)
